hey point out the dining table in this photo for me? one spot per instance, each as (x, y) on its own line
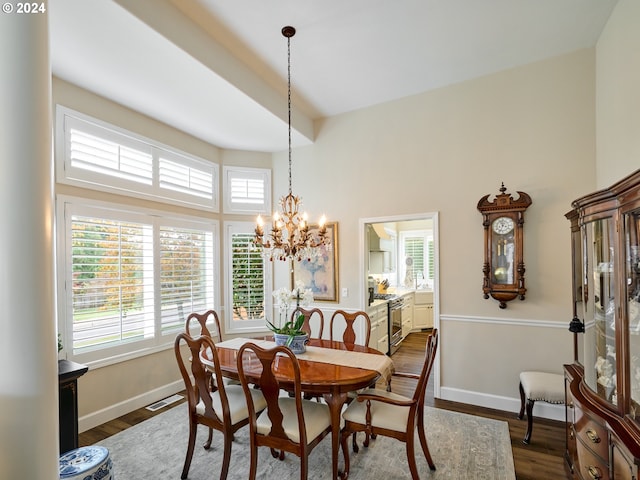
(328, 368)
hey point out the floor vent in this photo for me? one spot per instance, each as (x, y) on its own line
(164, 402)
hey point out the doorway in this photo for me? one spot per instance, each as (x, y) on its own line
(403, 252)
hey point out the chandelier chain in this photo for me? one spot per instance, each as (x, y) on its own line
(289, 102)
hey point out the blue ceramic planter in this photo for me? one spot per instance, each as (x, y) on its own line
(297, 345)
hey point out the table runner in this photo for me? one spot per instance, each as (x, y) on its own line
(368, 361)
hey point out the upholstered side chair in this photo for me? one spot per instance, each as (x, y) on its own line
(288, 424)
(378, 412)
(223, 409)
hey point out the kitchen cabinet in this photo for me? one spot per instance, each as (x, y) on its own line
(382, 251)
(423, 310)
(378, 314)
(407, 313)
(603, 382)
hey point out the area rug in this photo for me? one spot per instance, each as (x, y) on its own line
(462, 447)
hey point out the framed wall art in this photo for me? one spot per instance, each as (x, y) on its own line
(320, 274)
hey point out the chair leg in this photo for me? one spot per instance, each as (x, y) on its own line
(228, 439)
(411, 458)
(522, 401)
(304, 465)
(193, 428)
(527, 436)
(423, 442)
(253, 465)
(354, 443)
(207, 444)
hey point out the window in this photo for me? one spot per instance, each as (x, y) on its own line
(247, 190)
(249, 297)
(96, 155)
(418, 245)
(130, 277)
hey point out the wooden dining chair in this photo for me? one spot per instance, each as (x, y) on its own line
(378, 412)
(312, 314)
(288, 424)
(224, 409)
(340, 317)
(201, 319)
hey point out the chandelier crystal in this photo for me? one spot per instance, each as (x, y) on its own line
(290, 238)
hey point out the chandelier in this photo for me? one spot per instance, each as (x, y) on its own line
(290, 238)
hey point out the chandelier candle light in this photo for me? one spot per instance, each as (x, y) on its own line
(290, 237)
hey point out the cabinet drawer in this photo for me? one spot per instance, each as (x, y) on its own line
(593, 435)
(590, 466)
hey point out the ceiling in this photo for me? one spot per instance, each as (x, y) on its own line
(218, 69)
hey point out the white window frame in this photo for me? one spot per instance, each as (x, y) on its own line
(109, 355)
(66, 173)
(231, 173)
(244, 326)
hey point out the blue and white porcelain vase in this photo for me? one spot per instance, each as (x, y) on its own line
(297, 345)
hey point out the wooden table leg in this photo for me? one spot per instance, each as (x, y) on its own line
(335, 400)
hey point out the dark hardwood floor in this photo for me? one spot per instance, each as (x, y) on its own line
(541, 460)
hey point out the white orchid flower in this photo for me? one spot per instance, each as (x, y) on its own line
(307, 297)
(282, 297)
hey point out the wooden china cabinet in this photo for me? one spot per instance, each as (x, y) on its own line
(603, 383)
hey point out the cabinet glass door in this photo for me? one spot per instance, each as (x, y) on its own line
(632, 275)
(578, 286)
(599, 309)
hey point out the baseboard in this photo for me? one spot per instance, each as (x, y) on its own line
(506, 404)
(87, 422)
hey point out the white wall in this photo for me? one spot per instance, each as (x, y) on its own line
(618, 94)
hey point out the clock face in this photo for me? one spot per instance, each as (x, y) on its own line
(502, 225)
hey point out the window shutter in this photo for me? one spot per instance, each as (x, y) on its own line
(95, 155)
(180, 177)
(414, 248)
(186, 274)
(248, 278)
(103, 156)
(431, 258)
(112, 282)
(247, 190)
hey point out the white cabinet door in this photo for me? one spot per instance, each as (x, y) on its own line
(373, 339)
(407, 314)
(383, 342)
(430, 315)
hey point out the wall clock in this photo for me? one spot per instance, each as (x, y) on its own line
(503, 269)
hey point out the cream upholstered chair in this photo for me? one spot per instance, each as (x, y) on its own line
(224, 409)
(312, 314)
(288, 424)
(349, 336)
(379, 412)
(538, 387)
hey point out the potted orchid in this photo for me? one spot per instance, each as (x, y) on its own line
(290, 332)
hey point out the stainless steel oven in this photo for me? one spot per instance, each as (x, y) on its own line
(395, 324)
